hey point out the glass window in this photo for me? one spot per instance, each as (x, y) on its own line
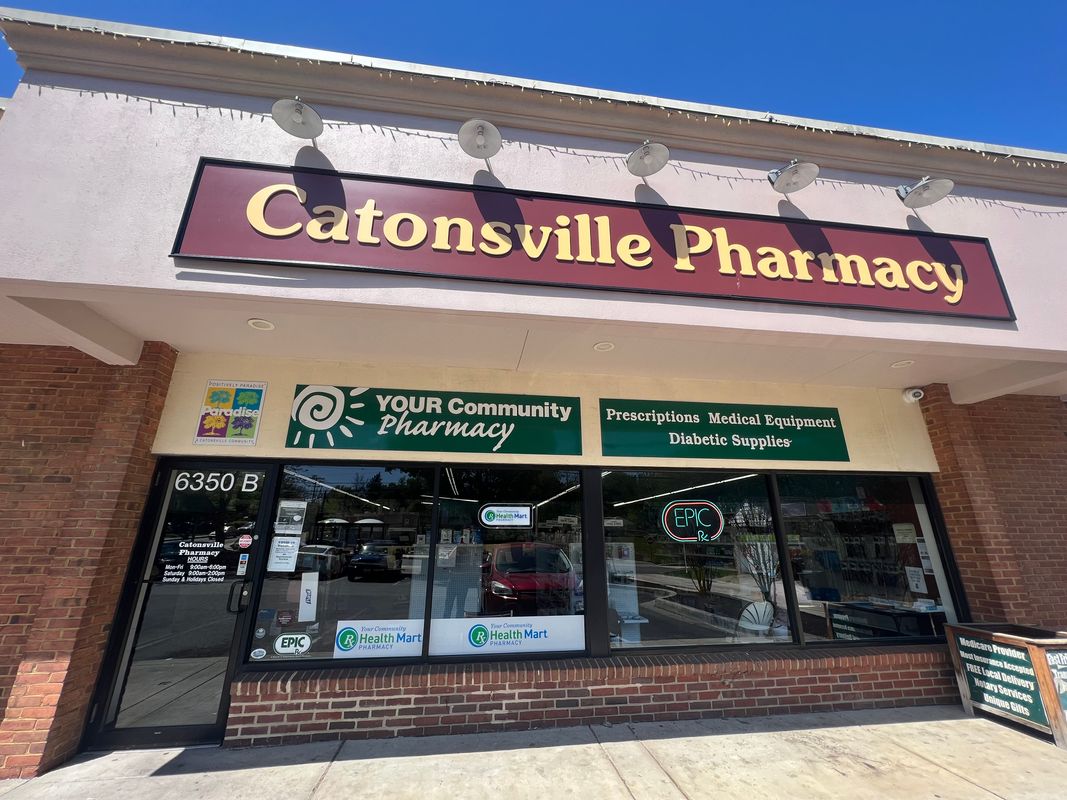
(691, 559)
(508, 568)
(863, 557)
(346, 567)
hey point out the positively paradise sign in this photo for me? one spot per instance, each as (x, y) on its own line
(316, 218)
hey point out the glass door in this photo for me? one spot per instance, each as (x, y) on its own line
(171, 677)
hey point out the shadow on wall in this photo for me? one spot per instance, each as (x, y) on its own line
(657, 220)
(324, 189)
(499, 206)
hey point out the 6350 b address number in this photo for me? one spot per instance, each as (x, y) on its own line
(216, 481)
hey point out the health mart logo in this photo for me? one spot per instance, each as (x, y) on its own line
(478, 636)
(347, 638)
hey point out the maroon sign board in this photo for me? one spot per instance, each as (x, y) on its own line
(314, 218)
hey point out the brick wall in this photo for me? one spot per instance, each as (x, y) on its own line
(274, 708)
(74, 472)
(1003, 491)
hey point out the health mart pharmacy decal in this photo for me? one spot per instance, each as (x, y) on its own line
(662, 429)
(375, 638)
(498, 635)
(361, 418)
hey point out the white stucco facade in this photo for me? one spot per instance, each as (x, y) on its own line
(98, 170)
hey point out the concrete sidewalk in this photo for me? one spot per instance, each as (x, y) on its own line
(901, 753)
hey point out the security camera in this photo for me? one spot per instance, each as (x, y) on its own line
(913, 394)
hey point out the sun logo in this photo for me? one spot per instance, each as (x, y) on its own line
(321, 409)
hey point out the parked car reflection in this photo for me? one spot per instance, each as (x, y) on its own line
(527, 579)
(374, 559)
(329, 562)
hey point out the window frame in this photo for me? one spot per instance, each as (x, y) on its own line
(597, 639)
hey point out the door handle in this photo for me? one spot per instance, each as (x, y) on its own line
(241, 597)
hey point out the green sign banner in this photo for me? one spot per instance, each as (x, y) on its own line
(664, 429)
(1000, 678)
(362, 418)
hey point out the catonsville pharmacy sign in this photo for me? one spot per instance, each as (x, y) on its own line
(297, 216)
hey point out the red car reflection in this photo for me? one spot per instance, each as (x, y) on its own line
(523, 579)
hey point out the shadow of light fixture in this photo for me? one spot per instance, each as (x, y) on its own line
(479, 139)
(297, 118)
(793, 177)
(925, 193)
(648, 159)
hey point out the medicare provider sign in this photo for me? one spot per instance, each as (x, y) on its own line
(316, 218)
(503, 635)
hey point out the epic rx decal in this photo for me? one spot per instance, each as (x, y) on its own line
(292, 644)
(378, 638)
(692, 521)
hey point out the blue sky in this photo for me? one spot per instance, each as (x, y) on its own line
(978, 70)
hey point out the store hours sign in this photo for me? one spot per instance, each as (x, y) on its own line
(665, 429)
(327, 417)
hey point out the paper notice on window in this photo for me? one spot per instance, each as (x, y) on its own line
(904, 533)
(309, 597)
(291, 514)
(283, 553)
(924, 556)
(916, 579)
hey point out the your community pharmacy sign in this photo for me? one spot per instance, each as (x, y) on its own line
(327, 417)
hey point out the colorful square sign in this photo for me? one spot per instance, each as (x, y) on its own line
(230, 413)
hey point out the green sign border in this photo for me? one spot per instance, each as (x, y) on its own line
(650, 434)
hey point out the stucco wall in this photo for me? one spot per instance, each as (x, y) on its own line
(117, 190)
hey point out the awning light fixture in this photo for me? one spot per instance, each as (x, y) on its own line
(479, 139)
(793, 177)
(297, 118)
(648, 159)
(926, 192)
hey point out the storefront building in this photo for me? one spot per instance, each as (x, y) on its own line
(364, 437)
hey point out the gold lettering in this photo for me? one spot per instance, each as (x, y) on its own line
(365, 228)
(913, 269)
(801, 263)
(603, 241)
(889, 273)
(683, 250)
(533, 249)
(442, 232)
(255, 211)
(496, 242)
(563, 239)
(848, 266)
(333, 216)
(635, 245)
(585, 239)
(391, 230)
(727, 252)
(953, 285)
(774, 264)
